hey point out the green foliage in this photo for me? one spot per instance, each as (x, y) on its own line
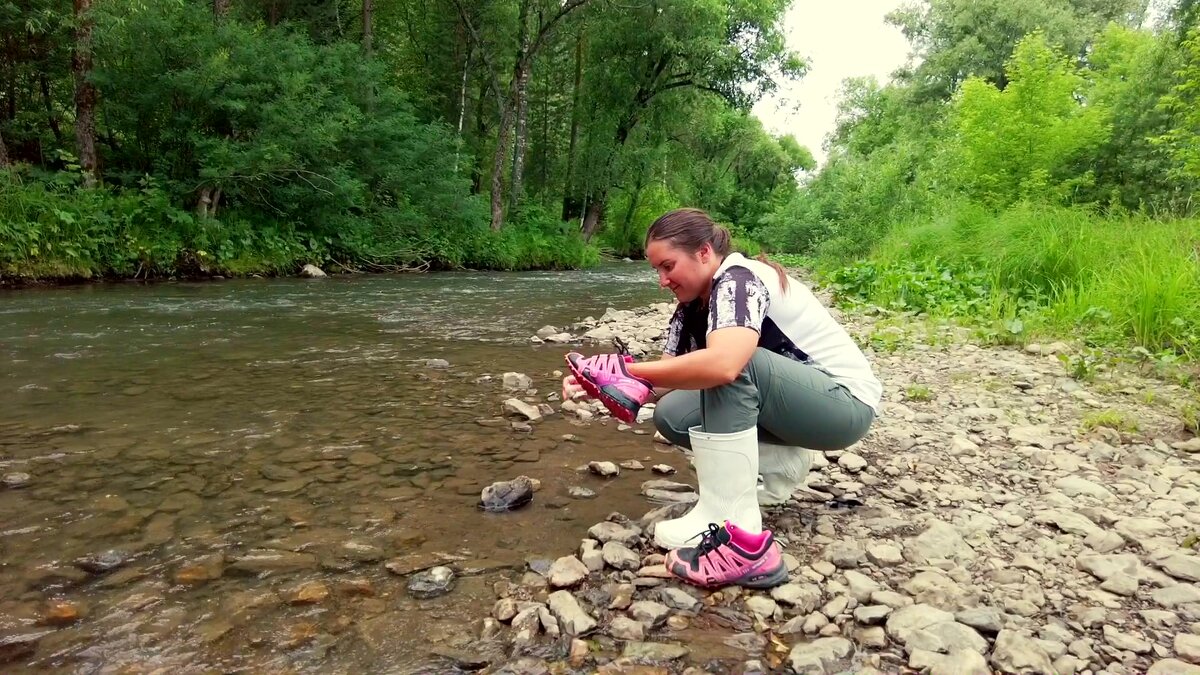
(918, 392)
(1112, 419)
(1049, 267)
(1021, 142)
(1183, 141)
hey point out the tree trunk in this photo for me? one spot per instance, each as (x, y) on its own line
(480, 134)
(368, 9)
(521, 95)
(570, 204)
(462, 105)
(48, 102)
(221, 9)
(4, 162)
(591, 219)
(85, 93)
(498, 162)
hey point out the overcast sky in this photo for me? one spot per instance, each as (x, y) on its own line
(840, 39)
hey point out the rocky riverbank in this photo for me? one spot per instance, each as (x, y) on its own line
(1014, 519)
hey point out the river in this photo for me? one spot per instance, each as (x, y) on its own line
(170, 429)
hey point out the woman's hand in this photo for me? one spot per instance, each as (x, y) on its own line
(571, 389)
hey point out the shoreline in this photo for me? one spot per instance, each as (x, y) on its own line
(1014, 519)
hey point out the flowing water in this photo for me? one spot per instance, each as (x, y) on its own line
(168, 430)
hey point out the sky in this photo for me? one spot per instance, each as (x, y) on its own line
(842, 39)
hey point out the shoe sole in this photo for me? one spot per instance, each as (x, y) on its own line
(776, 577)
(619, 407)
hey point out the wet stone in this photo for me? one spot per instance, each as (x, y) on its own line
(579, 492)
(264, 560)
(361, 552)
(99, 563)
(278, 473)
(605, 469)
(654, 652)
(506, 495)
(17, 480)
(307, 593)
(203, 569)
(17, 646)
(431, 583)
(61, 613)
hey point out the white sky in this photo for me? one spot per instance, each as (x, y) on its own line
(838, 39)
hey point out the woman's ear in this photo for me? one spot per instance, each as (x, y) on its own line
(705, 252)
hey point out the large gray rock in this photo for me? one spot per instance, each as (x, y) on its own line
(906, 621)
(506, 495)
(619, 556)
(571, 617)
(651, 614)
(1104, 566)
(821, 656)
(940, 540)
(804, 597)
(566, 572)
(1173, 667)
(1074, 486)
(1180, 566)
(1067, 521)
(1187, 646)
(957, 662)
(609, 531)
(1020, 654)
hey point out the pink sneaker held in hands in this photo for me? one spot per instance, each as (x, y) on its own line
(730, 555)
(608, 380)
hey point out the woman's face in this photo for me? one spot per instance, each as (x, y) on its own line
(687, 275)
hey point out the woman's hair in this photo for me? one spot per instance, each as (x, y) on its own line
(691, 229)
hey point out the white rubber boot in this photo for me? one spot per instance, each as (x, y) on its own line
(784, 468)
(727, 472)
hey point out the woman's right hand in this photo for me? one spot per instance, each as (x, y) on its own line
(571, 389)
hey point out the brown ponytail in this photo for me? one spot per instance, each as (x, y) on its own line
(783, 279)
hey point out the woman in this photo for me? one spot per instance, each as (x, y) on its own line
(755, 373)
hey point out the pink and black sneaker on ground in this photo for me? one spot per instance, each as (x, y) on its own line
(729, 555)
(605, 377)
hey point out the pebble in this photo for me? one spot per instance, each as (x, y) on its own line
(16, 480)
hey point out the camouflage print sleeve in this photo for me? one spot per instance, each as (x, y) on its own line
(674, 332)
(738, 299)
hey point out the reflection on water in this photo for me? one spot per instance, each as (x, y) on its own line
(219, 471)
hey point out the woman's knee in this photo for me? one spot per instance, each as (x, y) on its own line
(671, 417)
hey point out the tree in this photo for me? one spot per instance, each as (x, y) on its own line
(651, 55)
(1020, 142)
(85, 92)
(1183, 101)
(957, 39)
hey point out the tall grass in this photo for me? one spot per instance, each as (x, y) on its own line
(1062, 269)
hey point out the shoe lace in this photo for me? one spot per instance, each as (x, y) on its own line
(709, 540)
(622, 348)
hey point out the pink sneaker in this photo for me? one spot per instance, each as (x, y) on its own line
(608, 380)
(730, 555)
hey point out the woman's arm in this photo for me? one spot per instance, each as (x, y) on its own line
(727, 352)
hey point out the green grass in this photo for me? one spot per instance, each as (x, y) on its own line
(1040, 271)
(918, 392)
(1112, 419)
